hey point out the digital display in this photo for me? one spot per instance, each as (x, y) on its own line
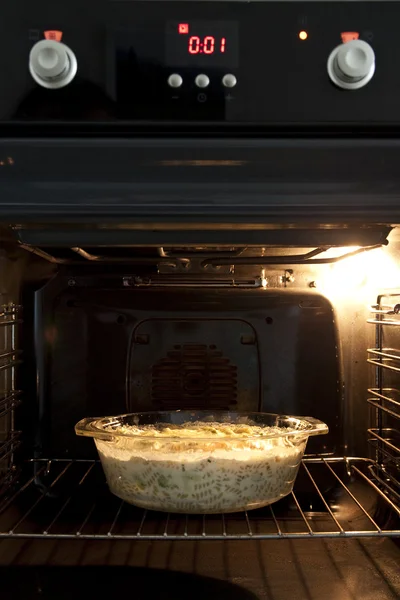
(202, 43)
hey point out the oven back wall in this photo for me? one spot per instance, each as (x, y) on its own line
(107, 351)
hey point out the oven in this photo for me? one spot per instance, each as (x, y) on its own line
(199, 210)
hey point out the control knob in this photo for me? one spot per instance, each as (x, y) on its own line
(52, 64)
(352, 65)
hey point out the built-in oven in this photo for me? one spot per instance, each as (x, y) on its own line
(199, 210)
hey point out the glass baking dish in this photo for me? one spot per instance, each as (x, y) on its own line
(201, 462)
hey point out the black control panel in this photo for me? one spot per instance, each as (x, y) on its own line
(267, 63)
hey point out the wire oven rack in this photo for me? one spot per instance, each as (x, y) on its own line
(384, 397)
(69, 499)
(10, 397)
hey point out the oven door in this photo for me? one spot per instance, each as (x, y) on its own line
(229, 184)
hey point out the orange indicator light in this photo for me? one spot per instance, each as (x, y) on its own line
(56, 36)
(303, 35)
(348, 36)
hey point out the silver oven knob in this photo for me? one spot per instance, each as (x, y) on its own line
(52, 64)
(352, 65)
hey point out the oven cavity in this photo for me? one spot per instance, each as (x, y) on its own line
(275, 328)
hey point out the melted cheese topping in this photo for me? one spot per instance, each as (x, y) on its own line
(199, 437)
(199, 429)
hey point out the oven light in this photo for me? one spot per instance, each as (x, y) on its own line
(264, 280)
(360, 276)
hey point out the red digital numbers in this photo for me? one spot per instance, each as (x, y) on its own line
(194, 44)
(209, 44)
(205, 45)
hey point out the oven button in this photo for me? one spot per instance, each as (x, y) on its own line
(202, 81)
(352, 65)
(229, 80)
(52, 64)
(175, 80)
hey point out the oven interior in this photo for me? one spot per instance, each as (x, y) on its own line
(287, 327)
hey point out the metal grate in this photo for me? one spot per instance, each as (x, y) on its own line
(70, 500)
(9, 402)
(10, 358)
(193, 376)
(384, 397)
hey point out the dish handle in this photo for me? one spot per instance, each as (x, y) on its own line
(317, 427)
(89, 428)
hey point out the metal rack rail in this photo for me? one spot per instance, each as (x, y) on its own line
(64, 499)
(10, 358)
(384, 396)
